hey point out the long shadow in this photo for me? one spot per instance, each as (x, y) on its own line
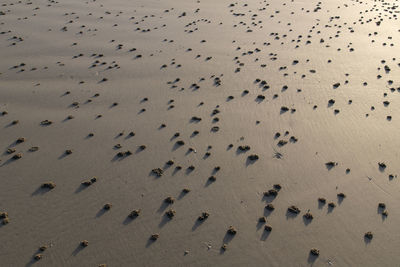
(176, 170)
(78, 249)
(63, 155)
(163, 207)
(268, 199)
(33, 261)
(128, 220)
(306, 221)
(209, 182)
(259, 225)
(265, 235)
(182, 194)
(81, 188)
(267, 212)
(367, 240)
(227, 238)
(189, 171)
(41, 191)
(290, 215)
(100, 213)
(311, 259)
(330, 209)
(197, 224)
(165, 219)
(150, 242)
(250, 162)
(176, 146)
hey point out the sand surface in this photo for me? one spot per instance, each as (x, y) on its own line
(300, 83)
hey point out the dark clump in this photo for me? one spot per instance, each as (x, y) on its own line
(308, 216)
(331, 205)
(282, 142)
(38, 257)
(382, 205)
(231, 230)
(49, 185)
(154, 237)
(314, 252)
(204, 215)
(215, 129)
(134, 214)
(4, 216)
(89, 182)
(46, 122)
(262, 219)
(196, 118)
(271, 192)
(369, 235)
(11, 150)
(158, 171)
(294, 209)
(212, 178)
(331, 164)
(124, 153)
(268, 228)
(33, 149)
(17, 156)
(341, 195)
(107, 206)
(253, 157)
(170, 213)
(20, 140)
(180, 142)
(169, 200)
(382, 165)
(284, 109)
(244, 148)
(84, 243)
(270, 207)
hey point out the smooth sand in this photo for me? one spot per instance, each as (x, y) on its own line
(51, 60)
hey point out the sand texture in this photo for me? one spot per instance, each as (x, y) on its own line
(199, 133)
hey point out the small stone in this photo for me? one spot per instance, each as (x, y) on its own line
(49, 185)
(170, 213)
(107, 206)
(204, 215)
(38, 257)
(154, 237)
(134, 213)
(270, 207)
(314, 252)
(169, 200)
(232, 230)
(268, 228)
(294, 209)
(369, 235)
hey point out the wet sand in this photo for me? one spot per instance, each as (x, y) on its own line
(199, 133)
